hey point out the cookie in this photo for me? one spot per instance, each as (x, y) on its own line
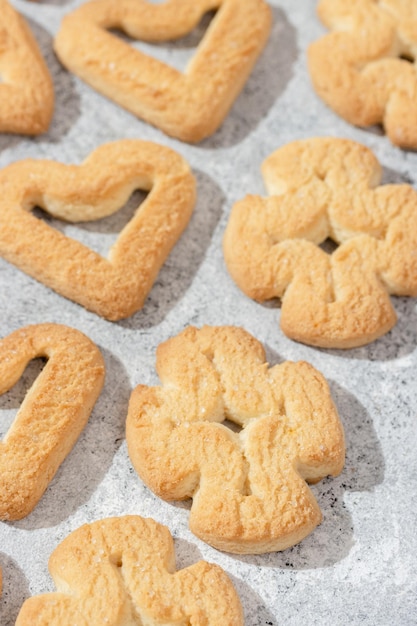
(326, 188)
(26, 89)
(53, 413)
(364, 68)
(191, 105)
(122, 571)
(113, 287)
(248, 488)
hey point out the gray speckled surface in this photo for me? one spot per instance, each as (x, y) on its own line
(359, 566)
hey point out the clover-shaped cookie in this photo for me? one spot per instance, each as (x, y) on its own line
(248, 488)
(26, 90)
(324, 188)
(189, 105)
(365, 68)
(115, 287)
(53, 413)
(120, 571)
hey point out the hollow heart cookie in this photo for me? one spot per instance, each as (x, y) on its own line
(249, 491)
(324, 188)
(190, 105)
(26, 90)
(53, 413)
(122, 571)
(115, 287)
(362, 68)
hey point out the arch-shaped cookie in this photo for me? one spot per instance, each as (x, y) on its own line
(362, 68)
(53, 413)
(321, 188)
(122, 571)
(189, 105)
(115, 287)
(26, 89)
(249, 491)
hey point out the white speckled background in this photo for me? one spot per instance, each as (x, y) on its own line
(359, 566)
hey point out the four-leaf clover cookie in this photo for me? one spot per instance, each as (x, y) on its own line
(248, 488)
(120, 571)
(326, 188)
(365, 69)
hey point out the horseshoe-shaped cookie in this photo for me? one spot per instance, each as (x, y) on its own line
(190, 105)
(322, 188)
(362, 68)
(26, 90)
(115, 287)
(248, 489)
(53, 413)
(122, 571)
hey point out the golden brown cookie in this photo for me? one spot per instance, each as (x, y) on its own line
(365, 68)
(326, 188)
(53, 413)
(113, 287)
(26, 90)
(121, 571)
(248, 488)
(189, 105)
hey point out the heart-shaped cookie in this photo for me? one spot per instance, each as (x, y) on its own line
(26, 90)
(115, 287)
(53, 413)
(189, 105)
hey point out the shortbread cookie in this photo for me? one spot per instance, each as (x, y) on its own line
(26, 90)
(115, 287)
(362, 69)
(189, 105)
(324, 188)
(53, 413)
(248, 488)
(121, 571)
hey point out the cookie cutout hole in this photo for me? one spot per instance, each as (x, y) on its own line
(11, 400)
(329, 246)
(116, 560)
(236, 428)
(407, 56)
(98, 235)
(176, 53)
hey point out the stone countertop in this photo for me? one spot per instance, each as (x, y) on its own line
(359, 565)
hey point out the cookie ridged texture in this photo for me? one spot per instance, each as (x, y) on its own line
(249, 488)
(191, 105)
(26, 89)
(362, 68)
(326, 188)
(122, 571)
(113, 287)
(53, 413)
